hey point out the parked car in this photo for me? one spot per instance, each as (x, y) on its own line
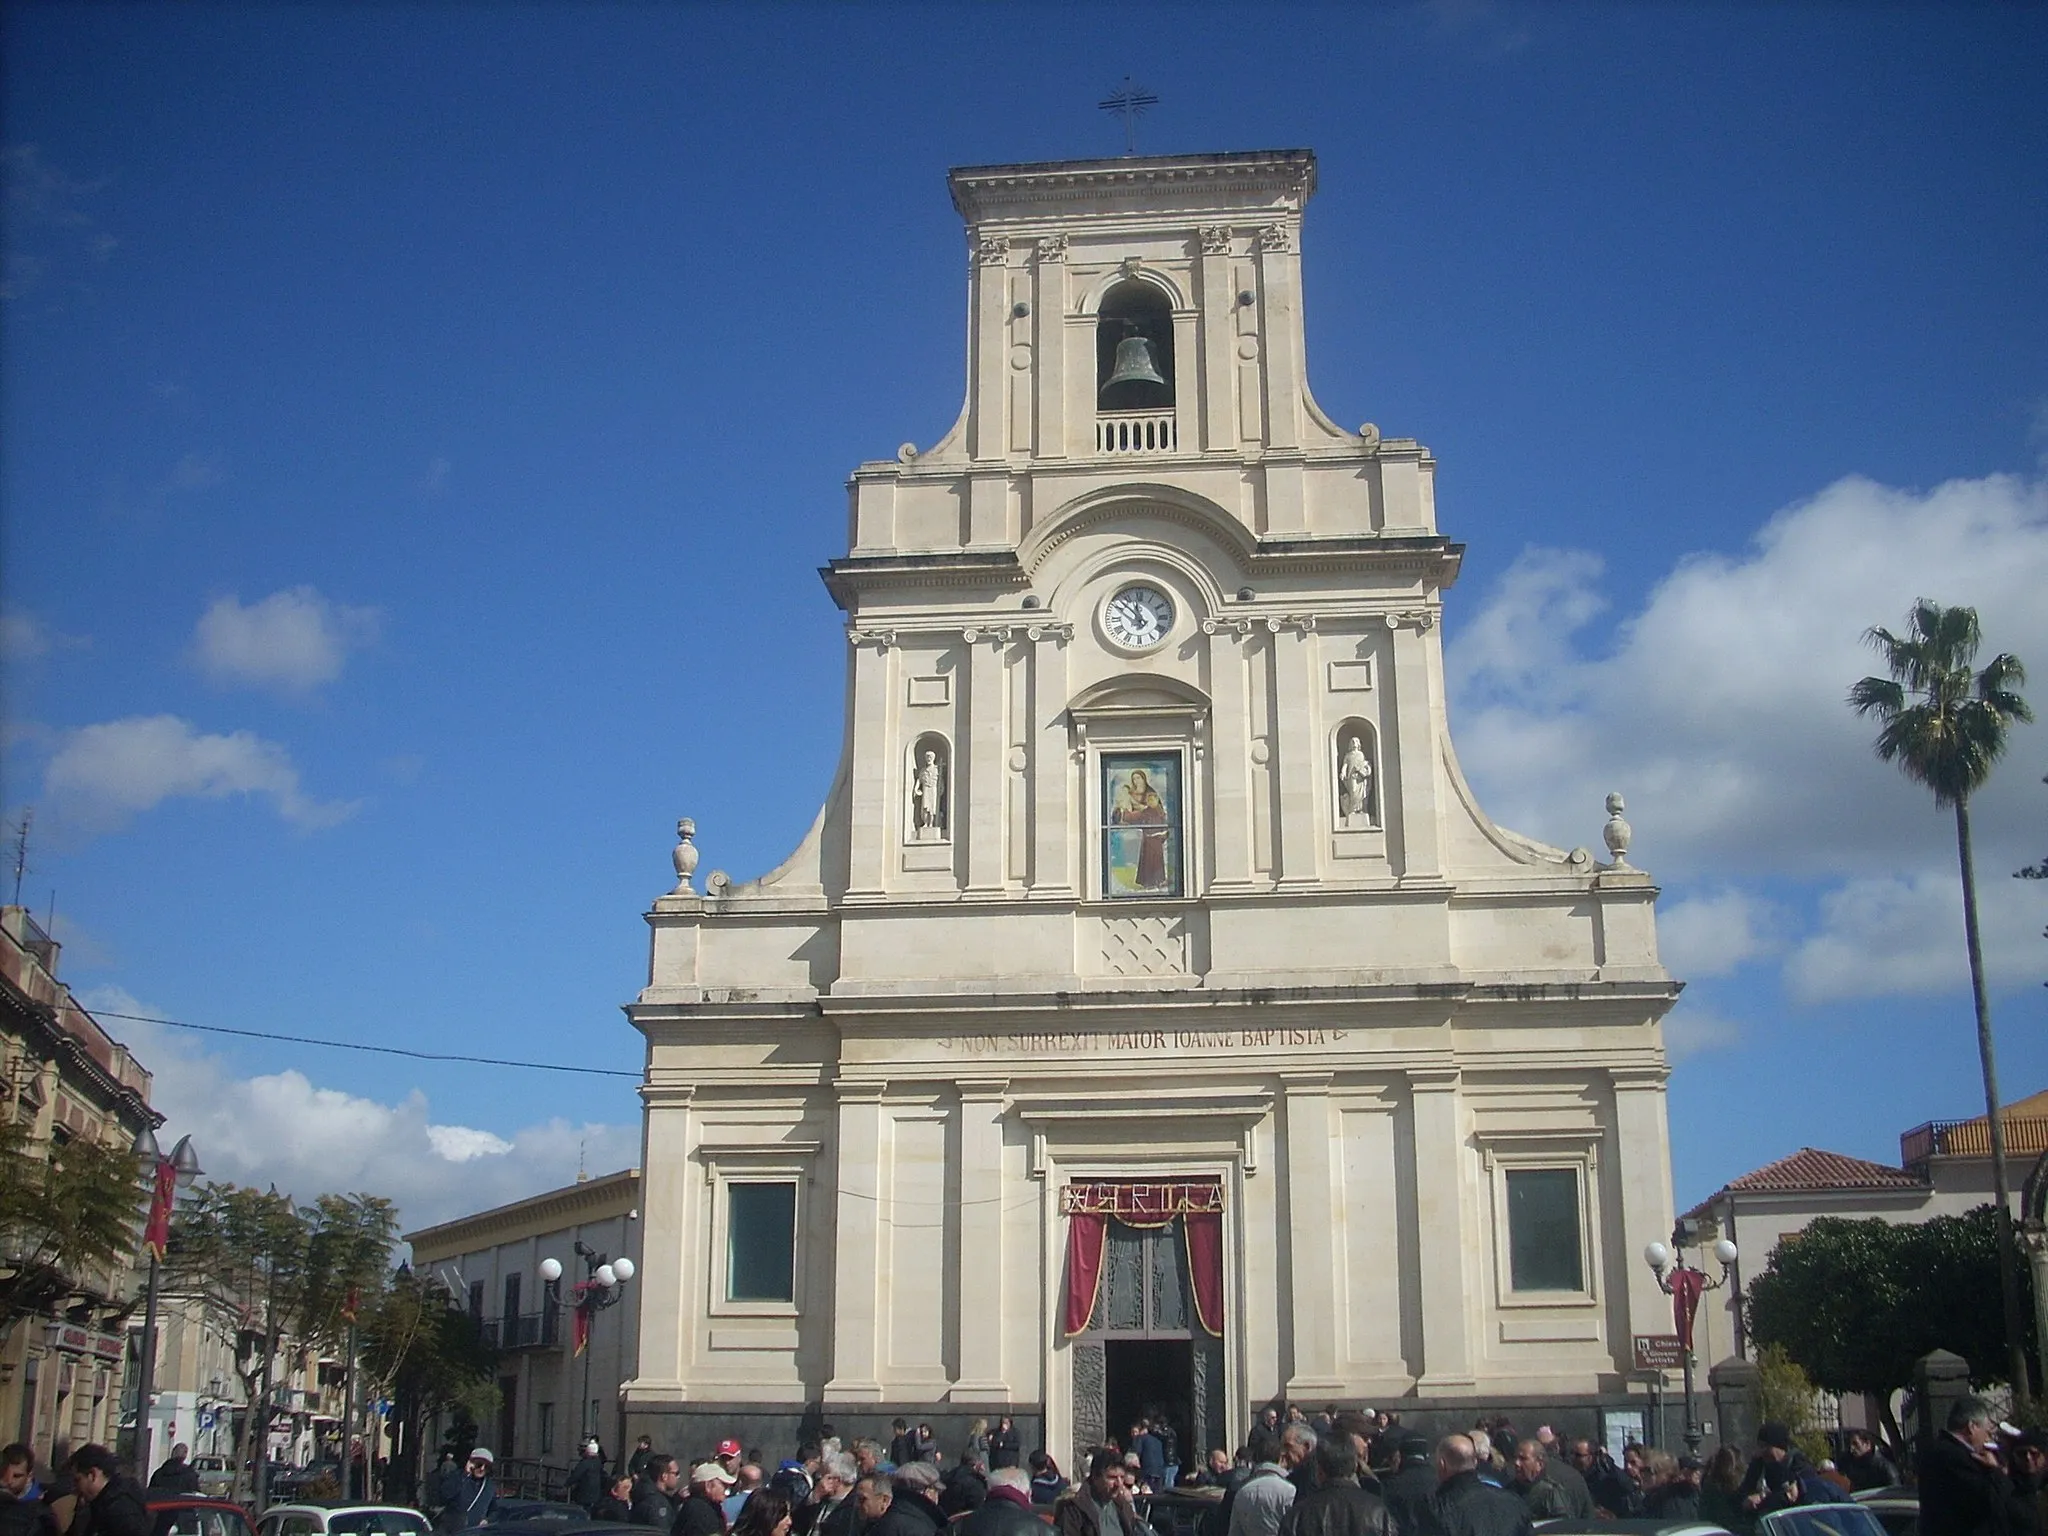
(190, 1514)
(508, 1511)
(1846, 1519)
(216, 1476)
(342, 1520)
(1897, 1509)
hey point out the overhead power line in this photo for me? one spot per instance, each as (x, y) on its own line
(357, 1045)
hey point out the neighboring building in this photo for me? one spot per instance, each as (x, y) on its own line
(64, 1077)
(550, 1397)
(1944, 1169)
(1151, 1017)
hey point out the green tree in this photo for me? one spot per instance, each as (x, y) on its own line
(1856, 1303)
(70, 1215)
(243, 1251)
(1945, 725)
(429, 1357)
(1786, 1393)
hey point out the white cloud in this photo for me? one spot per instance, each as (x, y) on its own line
(1718, 709)
(462, 1143)
(295, 639)
(283, 1129)
(1690, 1029)
(102, 774)
(1712, 935)
(24, 637)
(1886, 936)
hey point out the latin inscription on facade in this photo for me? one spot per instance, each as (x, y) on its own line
(1079, 1042)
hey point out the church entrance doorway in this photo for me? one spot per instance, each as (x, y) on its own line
(1150, 1379)
(1150, 1347)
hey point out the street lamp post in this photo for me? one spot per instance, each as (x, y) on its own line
(166, 1175)
(604, 1285)
(1685, 1284)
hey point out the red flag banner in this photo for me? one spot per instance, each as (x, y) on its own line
(162, 1196)
(1686, 1285)
(579, 1329)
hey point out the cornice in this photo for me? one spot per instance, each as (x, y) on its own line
(591, 1195)
(982, 192)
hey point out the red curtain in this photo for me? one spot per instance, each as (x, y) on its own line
(1205, 1264)
(1089, 1209)
(1086, 1235)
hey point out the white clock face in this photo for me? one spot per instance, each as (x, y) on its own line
(1138, 617)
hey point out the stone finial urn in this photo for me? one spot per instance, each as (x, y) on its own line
(685, 857)
(1616, 833)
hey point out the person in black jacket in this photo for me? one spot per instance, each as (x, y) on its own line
(902, 1444)
(1337, 1506)
(1611, 1488)
(177, 1475)
(476, 1496)
(116, 1500)
(1410, 1487)
(616, 1502)
(654, 1492)
(1963, 1489)
(643, 1453)
(586, 1479)
(1464, 1506)
(1007, 1509)
(1864, 1464)
(703, 1512)
(1005, 1448)
(22, 1510)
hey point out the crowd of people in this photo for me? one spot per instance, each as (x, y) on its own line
(1348, 1473)
(1345, 1473)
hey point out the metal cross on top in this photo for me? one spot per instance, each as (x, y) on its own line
(1129, 101)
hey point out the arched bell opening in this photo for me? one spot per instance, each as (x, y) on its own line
(1134, 349)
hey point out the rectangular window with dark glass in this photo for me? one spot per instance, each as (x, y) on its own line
(760, 1242)
(1543, 1230)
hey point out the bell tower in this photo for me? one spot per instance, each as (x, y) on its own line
(1197, 256)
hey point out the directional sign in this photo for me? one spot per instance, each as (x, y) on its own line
(1659, 1352)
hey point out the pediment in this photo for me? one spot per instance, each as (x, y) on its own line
(1139, 695)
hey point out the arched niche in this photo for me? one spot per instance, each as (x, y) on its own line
(928, 790)
(1355, 775)
(1134, 310)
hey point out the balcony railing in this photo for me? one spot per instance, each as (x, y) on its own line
(1135, 432)
(523, 1330)
(2024, 1136)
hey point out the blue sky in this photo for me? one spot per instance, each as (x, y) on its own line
(422, 426)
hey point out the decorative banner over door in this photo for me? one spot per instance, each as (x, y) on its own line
(1090, 1207)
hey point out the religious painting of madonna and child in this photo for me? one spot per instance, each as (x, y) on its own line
(1141, 824)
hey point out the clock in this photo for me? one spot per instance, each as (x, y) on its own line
(1138, 618)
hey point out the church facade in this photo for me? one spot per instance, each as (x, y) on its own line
(1151, 1020)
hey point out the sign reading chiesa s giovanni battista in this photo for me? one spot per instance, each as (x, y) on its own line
(1151, 1020)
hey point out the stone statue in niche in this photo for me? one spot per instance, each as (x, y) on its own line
(928, 798)
(1354, 784)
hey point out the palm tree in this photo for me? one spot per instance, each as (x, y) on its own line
(1945, 726)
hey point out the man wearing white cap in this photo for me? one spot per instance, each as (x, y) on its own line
(476, 1497)
(586, 1478)
(703, 1512)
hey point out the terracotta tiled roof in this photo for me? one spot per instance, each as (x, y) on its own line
(1812, 1169)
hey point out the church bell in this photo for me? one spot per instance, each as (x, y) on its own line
(1134, 364)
